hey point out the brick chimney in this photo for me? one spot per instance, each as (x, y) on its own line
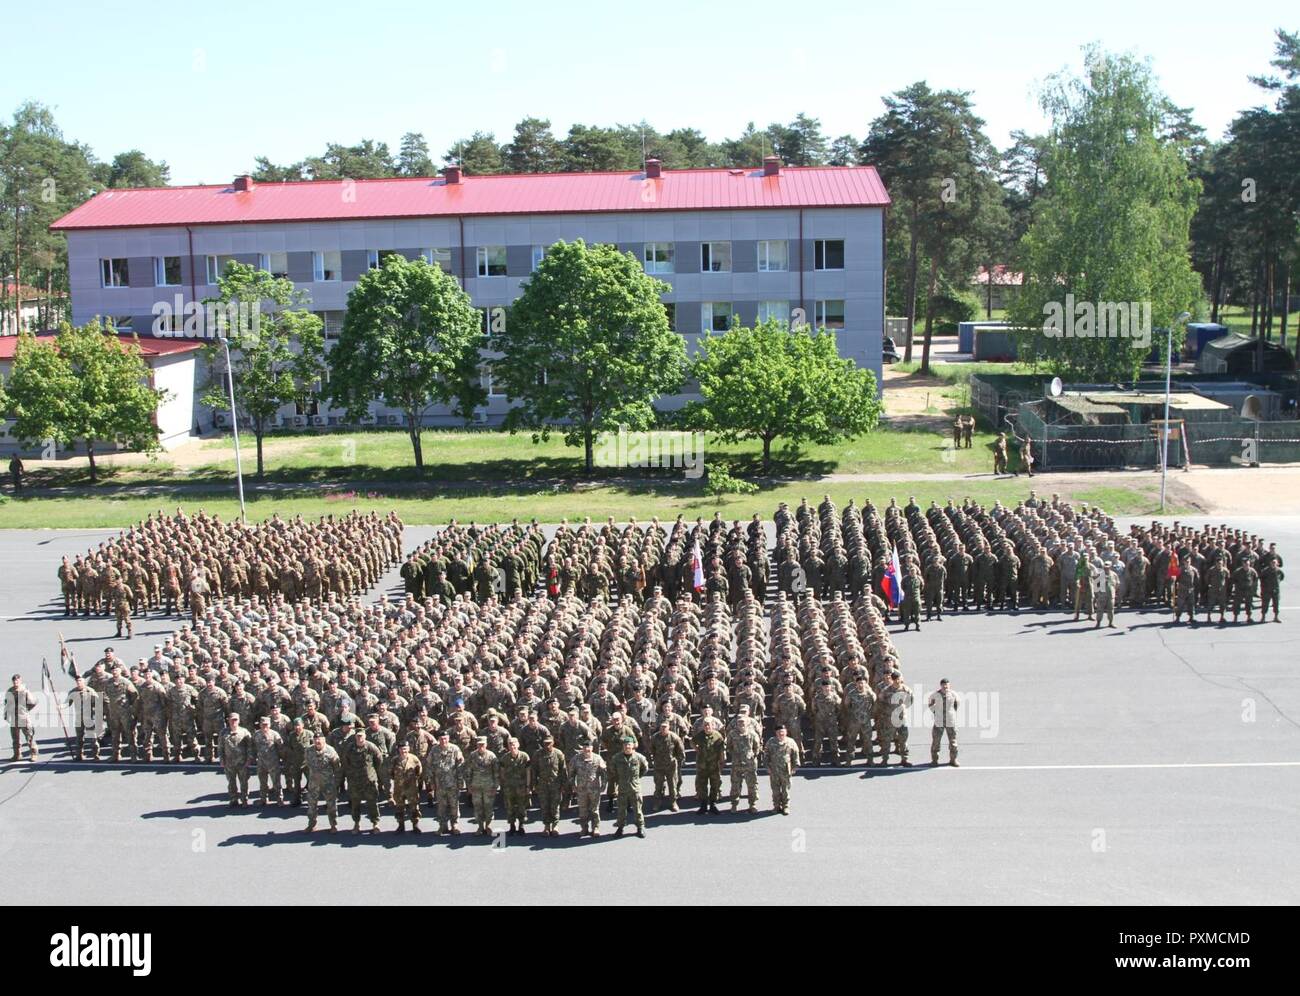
(653, 169)
(771, 166)
(451, 172)
(243, 184)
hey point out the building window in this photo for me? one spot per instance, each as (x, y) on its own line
(308, 406)
(372, 259)
(828, 254)
(671, 309)
(715, 316)
(539, 254)
(658, 257)
(217, 268)
(773, 255)
(778, 310)
(326, 265)
(167, 271)
(828, 314)
(491, 261)
(113, 273)
(715, 257)
(493, 323)
(438, 257)
(276, 264)
(121, 323)
(485, 381)
(331, 323)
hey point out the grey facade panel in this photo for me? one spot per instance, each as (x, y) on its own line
(411, 253)
(457, 269)
(809, 255)
(470, 254)
(686, 257)
(519, 261)
(248, 258)
(355, 262)
(139, 271)
(746, 311)
(637, 249)
(301, 268)
(744, 256)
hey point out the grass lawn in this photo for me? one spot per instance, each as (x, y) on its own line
(551, 503)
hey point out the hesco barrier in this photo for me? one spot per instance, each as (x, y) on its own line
(1230, 441)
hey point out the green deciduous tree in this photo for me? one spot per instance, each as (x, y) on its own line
(276, 348)
(86, 385)
(1111, 226)
(411, 339)
(588, 345)
(772, 382)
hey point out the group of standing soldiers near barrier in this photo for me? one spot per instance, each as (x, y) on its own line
(164, 564)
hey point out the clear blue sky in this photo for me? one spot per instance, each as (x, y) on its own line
(208, 87)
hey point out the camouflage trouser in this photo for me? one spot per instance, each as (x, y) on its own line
(237, 782)
(1268, 595)
(211, 730)
(1186, 602)
(16, 733)
(485, 800)
(746, 772)
(856, 732)
(315, 793)
(548, 800)
(154, 728)
(407, 800)
(666, 784)
(824, 729)
(69, 600)
(1239, 598)
(121, 727)
(780, 789)
(366, 792)
(893, 738)
(171, 600)
(629, 800)
(516, 803)
(1083, 598)
(1104, 603)
(1216, 598)
(448, 799)
(936, 740)
(181, 733)
(708, 784)
(589, 809)
(269, 782)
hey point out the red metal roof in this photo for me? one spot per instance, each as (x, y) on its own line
(538, 193)
(148, 347)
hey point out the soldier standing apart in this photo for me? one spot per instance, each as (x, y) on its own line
(588, 775)
(943, 705)
(236, 749)
(19, 703)
(16, 473)
(782, 761)
(629, 766)
(1000, 454)
(1104, 591)
(406, 773)
(1270, 582)
(323, 772)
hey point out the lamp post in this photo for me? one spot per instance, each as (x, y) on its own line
(1164, 428)
(234, 425)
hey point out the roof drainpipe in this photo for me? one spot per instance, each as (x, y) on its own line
(802, 305)
(461, 219)
(194, 296)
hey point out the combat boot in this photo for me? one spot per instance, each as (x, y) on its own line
(401, 826)
(640, 832)
(415, 826)
(618, 832)
(734, 804)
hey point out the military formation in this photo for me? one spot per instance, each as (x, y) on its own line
(182, 562)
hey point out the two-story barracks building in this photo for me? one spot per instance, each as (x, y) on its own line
(748, 243)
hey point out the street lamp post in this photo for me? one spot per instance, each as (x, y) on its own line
(234, 425)
(1164, 428)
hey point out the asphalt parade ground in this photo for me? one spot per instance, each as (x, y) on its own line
(1148, 764)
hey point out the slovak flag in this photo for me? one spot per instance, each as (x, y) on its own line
(889, 584)
(697, 567)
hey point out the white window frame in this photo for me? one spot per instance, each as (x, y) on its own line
(539, 254)
(780, 310)
(484, 263)
(485, 381)
(655, 265)
(819, 248)
(438, 257)
(109, 277)
(216, 267)
(267, 259)
(709, 253)
(372, 259)
(122, 323)
(319, 269)
(707, 314)
(160, 272)
(819, 314)
(765, 252)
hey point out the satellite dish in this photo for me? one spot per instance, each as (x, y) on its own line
(1252, 408)
(1055, 387)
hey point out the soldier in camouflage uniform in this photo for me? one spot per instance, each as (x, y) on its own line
(782, 761)
(515, 765)
(361, 762)
(744, 743)
(588, 775)
(120, 696)
(859, 705)
(710, 751)
(153, 714)
(236, 751)
(447, 763)
(323, 772)
(893, 732)
(629, 765)
(1216, 590)
(1245, 586)
(1185, 590)
(548, 771)
(296, 745)
(406, 775)
(667, 755)
(1270, 582)
(182, 700)
(269, 748)
(483, 775)
(944, 704)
